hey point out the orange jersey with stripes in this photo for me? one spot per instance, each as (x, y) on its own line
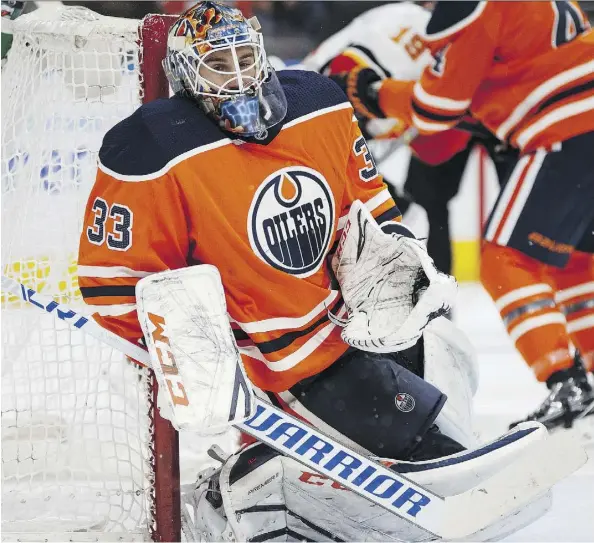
(523, 69)
(172, 190)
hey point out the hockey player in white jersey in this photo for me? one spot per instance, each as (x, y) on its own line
(385, 39)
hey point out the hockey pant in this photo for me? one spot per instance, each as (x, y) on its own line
(537, 257)
(394, 405)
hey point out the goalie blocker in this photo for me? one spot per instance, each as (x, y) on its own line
(202, 382)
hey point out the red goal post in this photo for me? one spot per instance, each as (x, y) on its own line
(153, 37)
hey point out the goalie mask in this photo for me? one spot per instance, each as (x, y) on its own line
(216, 56)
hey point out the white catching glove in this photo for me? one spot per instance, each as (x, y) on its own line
(389, 283)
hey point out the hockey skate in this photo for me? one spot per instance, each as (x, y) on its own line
(571, 398)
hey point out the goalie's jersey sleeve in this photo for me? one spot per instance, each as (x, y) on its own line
(172, 190)
(524, 69)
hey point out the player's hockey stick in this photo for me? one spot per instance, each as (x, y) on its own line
(394, 144)
(453, 517)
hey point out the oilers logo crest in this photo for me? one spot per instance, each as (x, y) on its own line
(291, 220)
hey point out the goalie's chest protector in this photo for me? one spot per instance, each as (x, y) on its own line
(264, 215)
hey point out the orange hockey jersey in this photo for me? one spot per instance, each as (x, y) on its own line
(524, 69)
(172, 190)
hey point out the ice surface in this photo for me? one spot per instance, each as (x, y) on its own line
(507, 392)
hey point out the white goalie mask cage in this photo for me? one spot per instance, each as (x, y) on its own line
(217, 57)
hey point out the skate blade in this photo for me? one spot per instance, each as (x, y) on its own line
(582, 428)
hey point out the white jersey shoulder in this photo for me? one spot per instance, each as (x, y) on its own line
(387, 38)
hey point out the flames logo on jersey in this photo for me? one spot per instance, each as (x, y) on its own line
(291, 220)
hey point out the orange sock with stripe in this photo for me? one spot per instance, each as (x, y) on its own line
(521, 289)
(575, 298)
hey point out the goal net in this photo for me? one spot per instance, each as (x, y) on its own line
(85, 455)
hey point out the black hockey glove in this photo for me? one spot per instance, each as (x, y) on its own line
(357, 85)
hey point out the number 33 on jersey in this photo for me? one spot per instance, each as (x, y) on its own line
(120, 238)
(266, 215)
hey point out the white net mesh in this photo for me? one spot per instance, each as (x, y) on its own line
(75, 416)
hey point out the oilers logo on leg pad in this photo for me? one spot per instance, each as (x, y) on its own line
(291, 220)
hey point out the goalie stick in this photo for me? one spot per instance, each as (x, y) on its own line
(452, 517)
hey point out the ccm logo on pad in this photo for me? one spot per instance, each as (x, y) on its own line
(167, 361)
